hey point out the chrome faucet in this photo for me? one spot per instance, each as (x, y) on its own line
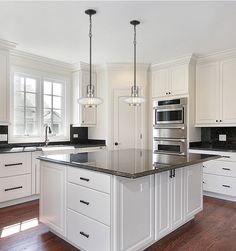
(47, 130)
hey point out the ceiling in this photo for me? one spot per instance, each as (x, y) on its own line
(59, 30)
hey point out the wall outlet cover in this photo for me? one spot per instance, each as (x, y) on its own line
(3, 137)
(222, 137)
(75, 135)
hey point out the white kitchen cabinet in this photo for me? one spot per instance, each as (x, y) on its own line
(4, 87)
(178, 197)
(207, 94)
(36, 172)
(193, 190)
(134, 213)
(52, 196)
(170, 81)
(215, 89)
(83, 116)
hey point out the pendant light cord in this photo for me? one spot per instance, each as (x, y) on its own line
(135, 42)
(90, 53)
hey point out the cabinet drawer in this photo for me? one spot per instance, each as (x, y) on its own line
(225, 168)
(15, 187)
(90, 179)
(219, 184)
(86, 233)
(15, 164)
(89, 202)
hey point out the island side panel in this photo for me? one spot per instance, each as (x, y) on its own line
(133, 213)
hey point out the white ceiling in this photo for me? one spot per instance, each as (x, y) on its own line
(59, 30)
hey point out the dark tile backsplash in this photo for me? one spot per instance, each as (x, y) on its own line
(82, 134)
(211, 134)
(3, 130)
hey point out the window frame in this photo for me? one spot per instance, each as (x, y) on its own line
(41, 76)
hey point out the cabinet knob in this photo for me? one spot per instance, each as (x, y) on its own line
(169, 92)
(116, 143)
(166, 93)
(217, 120)
(220, 120)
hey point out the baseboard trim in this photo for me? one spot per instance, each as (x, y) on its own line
(18, 201)
(219, 196)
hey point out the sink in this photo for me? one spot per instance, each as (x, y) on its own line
(57, 149)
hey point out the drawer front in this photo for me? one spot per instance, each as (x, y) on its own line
(89, 202)
(15, 164)
(219, 184)
(90, 179)
(86, 233)
(15, 187)
(225, 168)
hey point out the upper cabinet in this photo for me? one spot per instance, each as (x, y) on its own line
(4, 87)
(215, 92)
(170, 79)
(83, 116)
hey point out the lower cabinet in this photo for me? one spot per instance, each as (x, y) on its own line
(178, 197)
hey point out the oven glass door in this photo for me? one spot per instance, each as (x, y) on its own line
(169, 116)
(177, 146)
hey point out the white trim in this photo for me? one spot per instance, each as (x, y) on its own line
(219, 196)
(7, 45)
(19, 201)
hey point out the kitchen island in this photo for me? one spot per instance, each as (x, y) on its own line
(119, 200)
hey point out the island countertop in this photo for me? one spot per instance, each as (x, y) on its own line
(129, 163)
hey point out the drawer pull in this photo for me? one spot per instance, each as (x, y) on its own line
(84, 179)
(13, 188)
(84, 202)
(204, 182)
(227, 157)
(14, 164)
(227, 169)
(84, 234)
(226, 186)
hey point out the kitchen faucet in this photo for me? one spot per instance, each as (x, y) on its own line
(47, 130)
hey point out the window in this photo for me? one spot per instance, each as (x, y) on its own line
(38, 101)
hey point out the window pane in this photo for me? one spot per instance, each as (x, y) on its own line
(47, 115)
(19, 116)
(57, 102)
(19, 99)
(31, 114)
(56, 128)
(31, 128)
(30, 99)
(47, 101)
(30, 85)
(56, 116)
(57, 87)
(19, 129)
(47, 87)
(19, 83)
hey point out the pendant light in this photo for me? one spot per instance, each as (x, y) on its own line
(90, 100)
(134, 99)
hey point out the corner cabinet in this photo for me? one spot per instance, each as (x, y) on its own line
(4, 87)
(170, 80)
(215, 93)
(83, 116)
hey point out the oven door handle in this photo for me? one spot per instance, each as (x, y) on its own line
(172, 140)
(168, 128)
(169, 153)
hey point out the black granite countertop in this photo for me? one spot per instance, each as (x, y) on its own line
(213, 146)
(129, 163)
(32, 147)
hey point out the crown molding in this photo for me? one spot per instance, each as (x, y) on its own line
(186, 59)
(7, 45)
(219, 55)
(122, 66)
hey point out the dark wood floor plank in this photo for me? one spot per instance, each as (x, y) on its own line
(214, 229)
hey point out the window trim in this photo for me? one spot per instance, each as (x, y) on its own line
(41, 76)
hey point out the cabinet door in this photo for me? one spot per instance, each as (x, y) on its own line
(52, 196)
(177, 191)
(178, 80)
(193, 190)
(228, 85)
(159, 83)
(4, 87)
(207, 94)
(162, 205)
(134, 213)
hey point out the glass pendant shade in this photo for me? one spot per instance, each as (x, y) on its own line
(90, 100)
(134, 99)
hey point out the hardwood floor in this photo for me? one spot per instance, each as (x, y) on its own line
(213, 229)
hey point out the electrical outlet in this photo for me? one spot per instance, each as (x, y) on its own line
(75, 136)
(222, 137)
(3, 137)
